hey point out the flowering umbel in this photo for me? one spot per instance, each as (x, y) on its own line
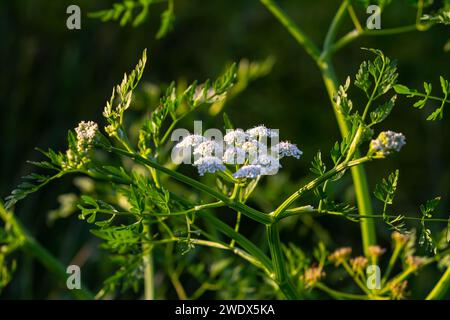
(76, 156)
(86, 133)
(246, 152)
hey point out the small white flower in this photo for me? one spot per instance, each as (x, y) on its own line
(262, 132)
(190, 141)
(86, 132)
(209, 164)
(234, 155)
(387, 142)
(269, 165)
(207, 148)
(250, 171)
(287, 149)
(235, 137)
(253, 149)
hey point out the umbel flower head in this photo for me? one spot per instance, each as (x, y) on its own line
(359, 263)
(209, 164)
(375, 251)
(262, 131)
(246, 151)
(287, 149)
(86, 133)
(190, 141)
(387, 142)
(250, 171)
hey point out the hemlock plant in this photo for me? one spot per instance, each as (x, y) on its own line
(137, 205)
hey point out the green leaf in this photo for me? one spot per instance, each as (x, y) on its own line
(167, 21)
(438, 113)
(402, 89)
(383, 71)
(227, 122)
(336, 152)
(343, 103)
(385, 192)
(383, 111)
(363, 78)
(426, 238)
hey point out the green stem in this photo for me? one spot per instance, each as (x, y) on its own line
(149, 289)
(149, 286)
(292, 28)
(354, 17)
(35, 249)
(250, 247)
(358, 173)
(392, 260)
(308, 209)
(317, 182)
(238, 206)
(355, 278)
(441, 288)
(340, 295)
(335, 24)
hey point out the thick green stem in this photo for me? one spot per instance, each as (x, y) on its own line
(292, 28)
(358, 173)
(441, 288)
(149, 287)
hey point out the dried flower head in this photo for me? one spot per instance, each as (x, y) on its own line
(359, 263)
(387, 142)
(250, 171)
(312, 276)
(340, 255)
(209, 164)
(415, 262)
(86, 133)
(375, 251)
(287, 149)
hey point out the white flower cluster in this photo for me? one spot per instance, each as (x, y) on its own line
(86, 132)
(387, 142)
(246, 151)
